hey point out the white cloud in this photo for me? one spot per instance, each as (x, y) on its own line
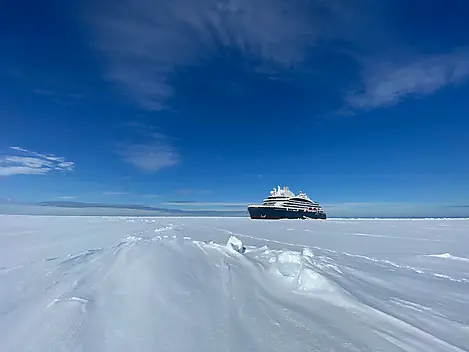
(205, 204)
(19, 149)
(392, 209)
(145, 42)
(387, 83)
(26, 162)
(154, 154)
(59, 96)
(115, 193)
(67, 197)
(19, 170)
(150, 195)
(192, 191)
(145, 45)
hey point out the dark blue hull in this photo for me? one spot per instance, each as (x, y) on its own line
(270, 213)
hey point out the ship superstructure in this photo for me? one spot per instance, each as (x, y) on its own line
(284, 204)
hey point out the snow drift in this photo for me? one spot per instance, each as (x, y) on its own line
(119, 284)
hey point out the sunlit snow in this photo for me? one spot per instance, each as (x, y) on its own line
(187, 284)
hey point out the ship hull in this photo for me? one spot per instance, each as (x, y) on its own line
(273, 213)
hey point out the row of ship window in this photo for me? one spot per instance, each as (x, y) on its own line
(293, 203)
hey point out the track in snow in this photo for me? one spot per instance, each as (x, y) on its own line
(157, 285)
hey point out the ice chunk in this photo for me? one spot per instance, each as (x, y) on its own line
(236, 244)
(298, 274)
(307, 252)
(309, 280)
(289, 263)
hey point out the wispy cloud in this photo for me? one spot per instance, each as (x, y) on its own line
(60, 97)
(67, 197)
(387, 83)
(24, 162)
(204, 204)
(145, 43)
(114, 193)
(150, 195)
(394, 209)
(192, 191)
(199, 205)
(152, 155)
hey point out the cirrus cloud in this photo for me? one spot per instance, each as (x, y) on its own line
(25, 162)
(145, 43)
(387, 83)
(151, 155)
(147, 46)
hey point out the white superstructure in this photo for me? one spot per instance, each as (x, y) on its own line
(285, 198)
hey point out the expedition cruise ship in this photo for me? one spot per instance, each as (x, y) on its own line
(284, 204)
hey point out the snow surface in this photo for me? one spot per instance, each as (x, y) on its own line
(173, 284)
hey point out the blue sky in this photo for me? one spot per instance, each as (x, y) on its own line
(362, 105)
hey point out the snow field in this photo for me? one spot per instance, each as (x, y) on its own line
(179, 284)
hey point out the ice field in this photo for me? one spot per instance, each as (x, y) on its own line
(173, 284)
